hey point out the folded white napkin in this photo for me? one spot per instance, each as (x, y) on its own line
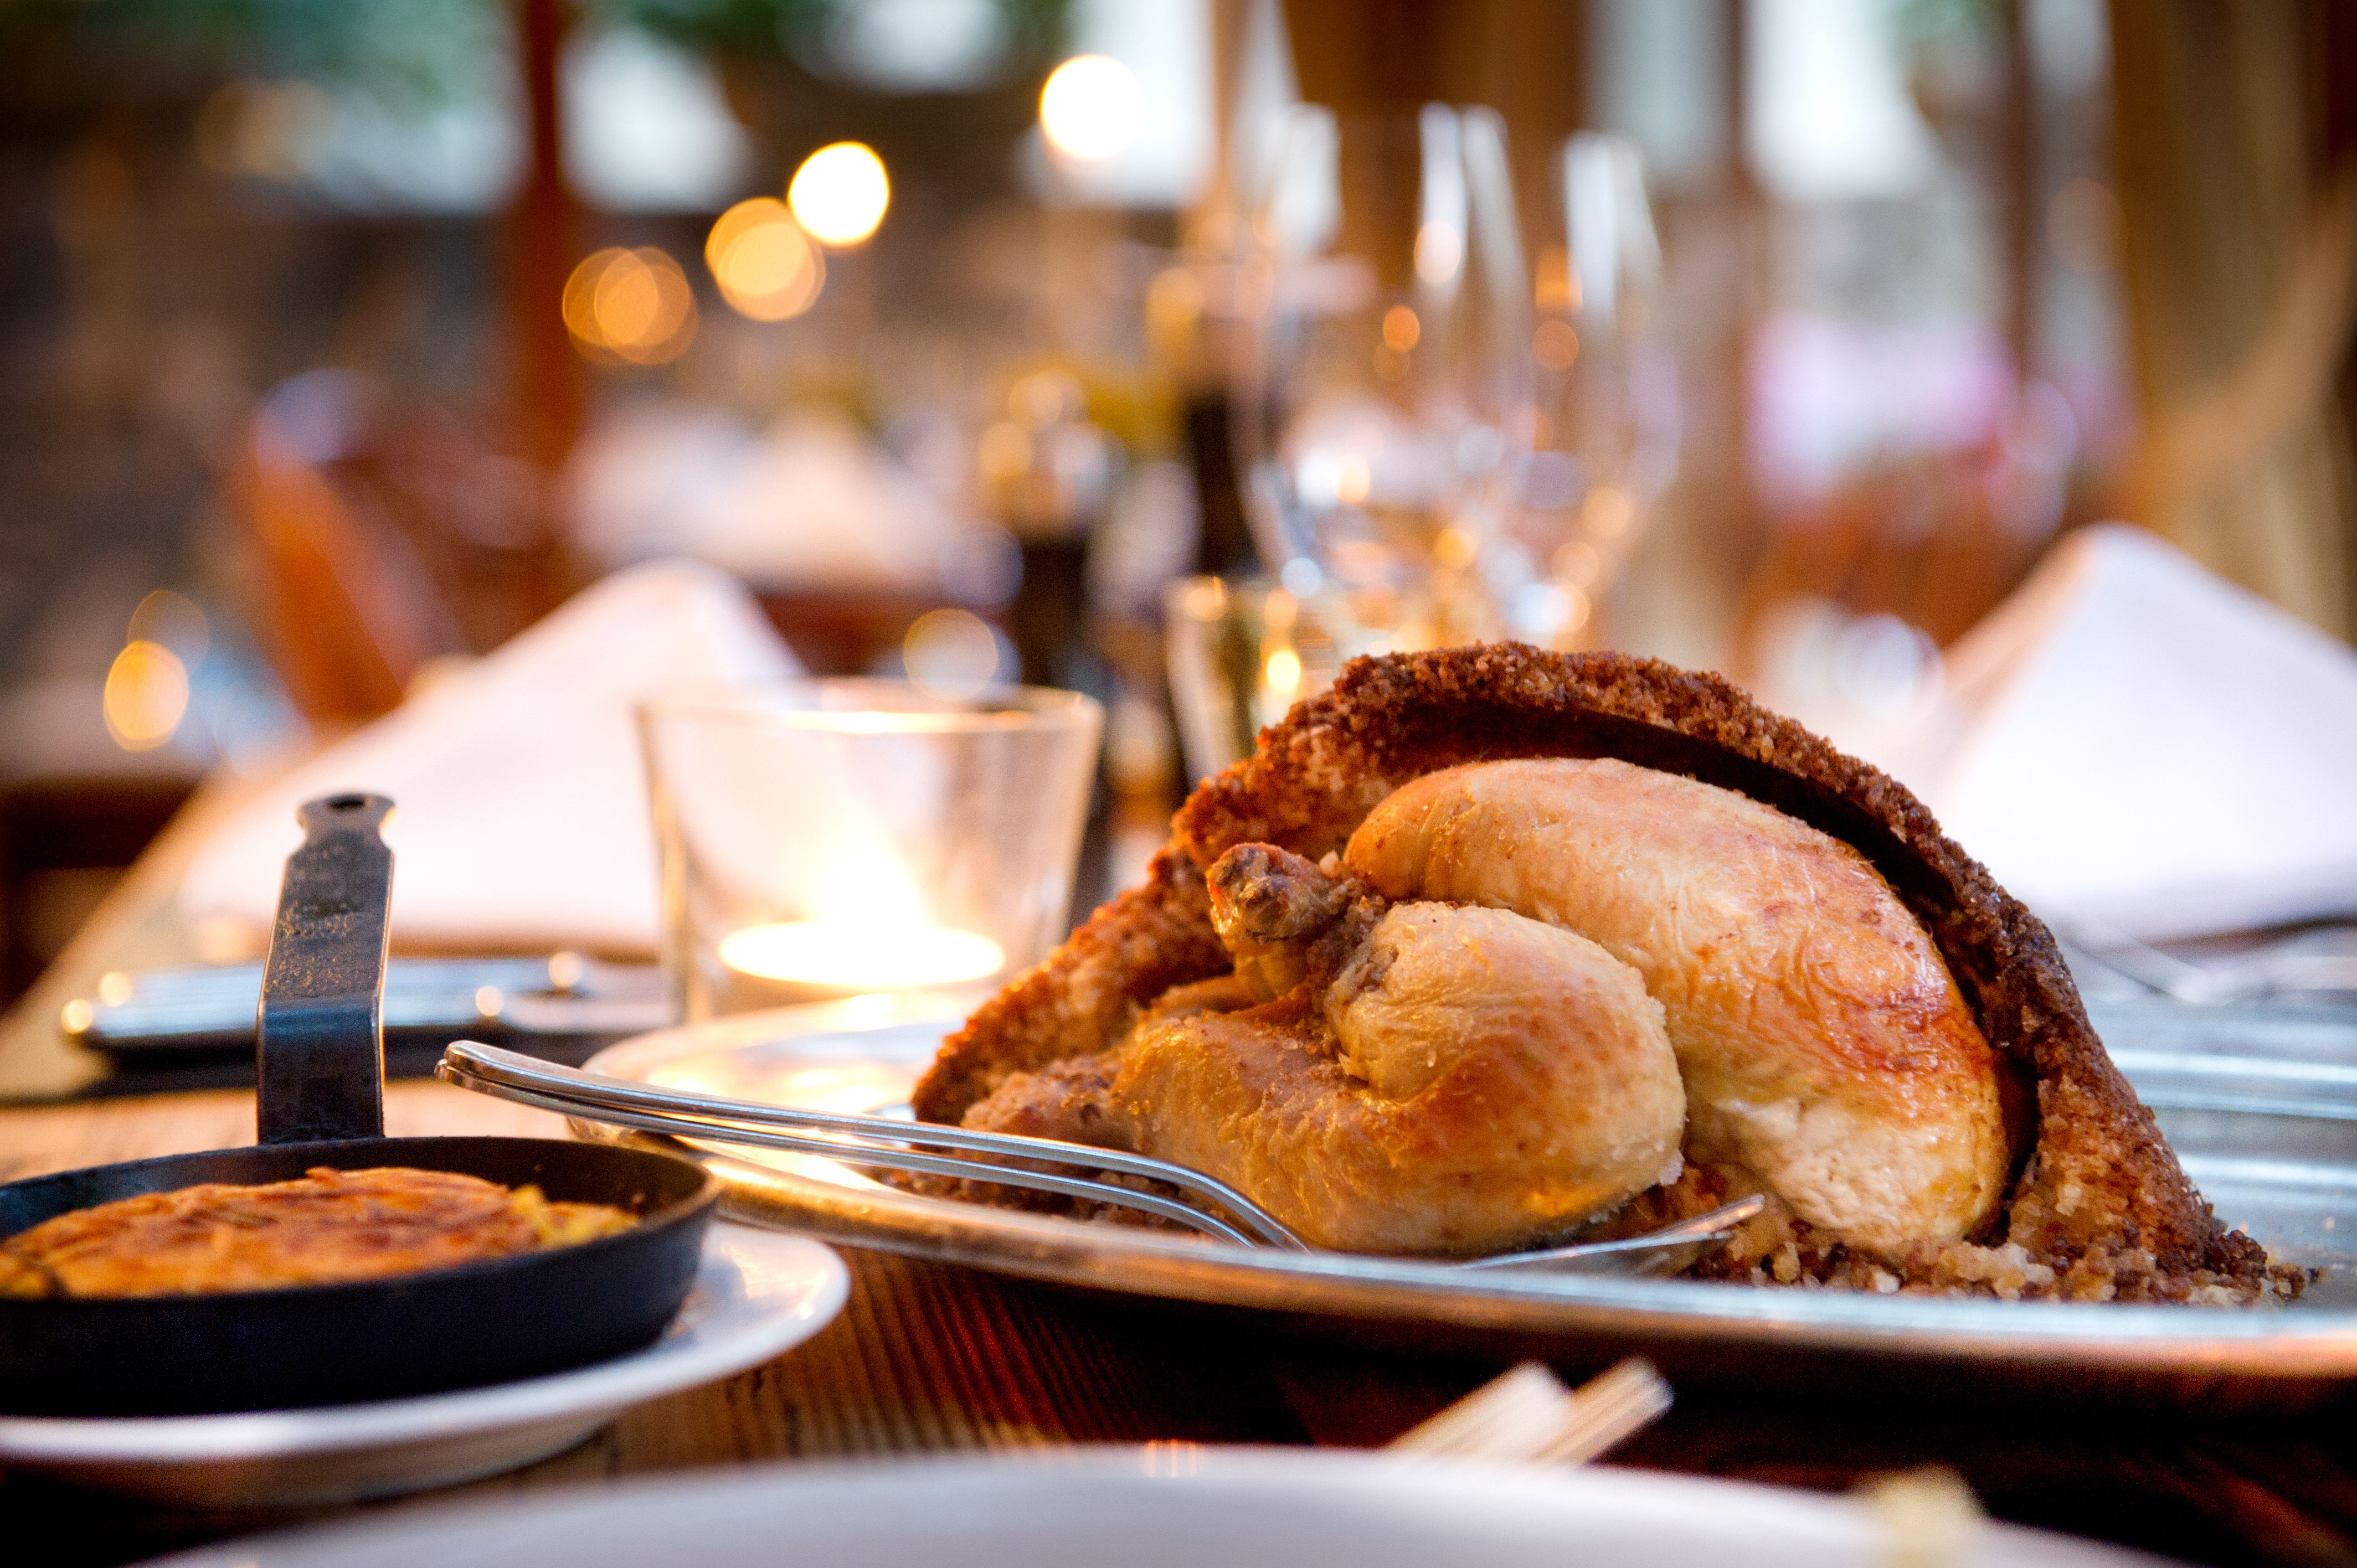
(520, 811)
(2133, 741)
(807, 503)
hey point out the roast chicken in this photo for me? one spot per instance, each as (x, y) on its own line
(1485, 947)
(1421, 1077)
(1528, 990)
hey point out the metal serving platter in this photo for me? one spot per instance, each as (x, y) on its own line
(2261, 1106)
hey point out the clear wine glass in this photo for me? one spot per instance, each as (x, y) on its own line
(1606, 426)
(1384, 398)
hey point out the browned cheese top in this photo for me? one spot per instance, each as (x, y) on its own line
(327, 1226)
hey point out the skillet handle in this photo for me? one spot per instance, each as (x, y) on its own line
(321, 1061)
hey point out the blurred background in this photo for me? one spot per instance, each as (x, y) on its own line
(981, 339)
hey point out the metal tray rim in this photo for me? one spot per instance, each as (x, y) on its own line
(2283, 1345)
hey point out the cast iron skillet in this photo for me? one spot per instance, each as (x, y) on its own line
(322, 1103)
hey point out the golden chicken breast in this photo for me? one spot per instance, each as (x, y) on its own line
(1826, 1050)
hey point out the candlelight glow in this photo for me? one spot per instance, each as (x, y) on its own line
(840, 193)
(631, 306)
(1091, 108)
(860, 955)
(766, 266)
(146, 696)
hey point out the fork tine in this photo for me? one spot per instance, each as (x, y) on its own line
(1695, 1231)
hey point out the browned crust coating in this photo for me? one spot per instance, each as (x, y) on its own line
(1087, 992)
(2099, 1184)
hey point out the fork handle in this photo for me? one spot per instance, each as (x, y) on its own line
(596, 1094)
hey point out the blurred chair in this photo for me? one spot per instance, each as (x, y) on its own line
(64, 843)
(1933, 539)
(846, 633)
(383, 538)
(76, 808)
(2234, 136)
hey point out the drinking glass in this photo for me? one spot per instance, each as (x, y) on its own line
(1605, 427)
(1383, 394)
(832, 838)
(1240, 652)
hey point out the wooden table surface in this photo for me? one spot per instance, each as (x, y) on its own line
(930, 1358)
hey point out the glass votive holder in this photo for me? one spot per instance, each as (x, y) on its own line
(829, 838)
(1242, 651)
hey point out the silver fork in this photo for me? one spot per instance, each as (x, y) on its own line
(877, 1143)
(872, 1142)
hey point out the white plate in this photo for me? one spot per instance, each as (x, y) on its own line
(1170, 1505)
(758, 1292)
(2287, 1167)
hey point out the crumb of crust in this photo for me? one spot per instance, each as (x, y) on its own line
(2100, 1204)
(2008, 1272)
(1086, 995)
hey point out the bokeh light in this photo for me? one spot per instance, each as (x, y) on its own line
(840, 193)
(1091, 108)
(274, 129)
(766, 266)
(1354, 480)
(634, 306)
(1283, 674)
(2083, 225)
(1004, 452)
(176, 621)
(1555, 345)
(952, 654)
(1440, 252)
(1608, 511)
(146, 696)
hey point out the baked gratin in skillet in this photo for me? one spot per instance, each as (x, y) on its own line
(328, 1226)
(1486, 946)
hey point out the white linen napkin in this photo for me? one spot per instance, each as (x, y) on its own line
(808, 502)
(521, 818)
(2133, 741)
